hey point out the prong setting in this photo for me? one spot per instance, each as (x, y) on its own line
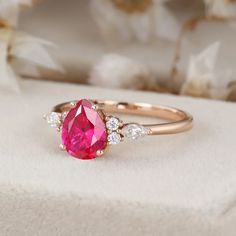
(95, 107)
(72, 104)
(100, 153)
(62, 147)
(59, 128)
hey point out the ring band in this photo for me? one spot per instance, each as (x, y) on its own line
(87, 130)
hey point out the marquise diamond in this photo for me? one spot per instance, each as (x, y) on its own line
(135, 131)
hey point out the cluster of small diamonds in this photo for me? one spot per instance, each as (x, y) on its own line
(113, 125)
(55, 119)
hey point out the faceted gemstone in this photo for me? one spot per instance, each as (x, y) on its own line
(53, 119)
(83, 131)
(134, 131)
(114, 138)
(113, 123)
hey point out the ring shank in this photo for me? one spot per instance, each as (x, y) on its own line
(177, 120)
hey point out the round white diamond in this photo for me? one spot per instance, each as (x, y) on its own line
(135, 131)
(53, 119)
(113, 123)
(114, 138)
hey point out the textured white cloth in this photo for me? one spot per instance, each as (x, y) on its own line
(183, 184)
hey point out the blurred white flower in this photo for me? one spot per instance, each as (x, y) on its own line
(202, 79)
(117, 25)
(114, 71)
(20, 47)
(9, 9)
(222, 8)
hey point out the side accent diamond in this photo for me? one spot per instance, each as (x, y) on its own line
(135, 131)
(114, 138)
(113, 123)
(53, 119)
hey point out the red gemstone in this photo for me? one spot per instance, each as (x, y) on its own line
(84, 131)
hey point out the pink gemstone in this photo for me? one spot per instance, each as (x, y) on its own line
(84, 131)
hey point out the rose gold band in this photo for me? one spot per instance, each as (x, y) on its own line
(177, 120)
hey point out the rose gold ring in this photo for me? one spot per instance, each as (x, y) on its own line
(87, 130)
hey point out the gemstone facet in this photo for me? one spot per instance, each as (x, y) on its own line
(84, 131)
(134, 131)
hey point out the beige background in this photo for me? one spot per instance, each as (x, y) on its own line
(70, 25)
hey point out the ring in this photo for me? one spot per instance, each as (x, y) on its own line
(87, 130)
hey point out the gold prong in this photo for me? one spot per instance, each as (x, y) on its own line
(107, 118)
(109, 131)
(59, 128)
(99, 153)
(95, 107)
(62, 147)
(121, 124)
(72, 104)
(119, 131)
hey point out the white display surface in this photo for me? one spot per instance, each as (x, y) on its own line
(183, 184)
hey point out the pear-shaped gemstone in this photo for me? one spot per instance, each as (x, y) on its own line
(84, 131)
